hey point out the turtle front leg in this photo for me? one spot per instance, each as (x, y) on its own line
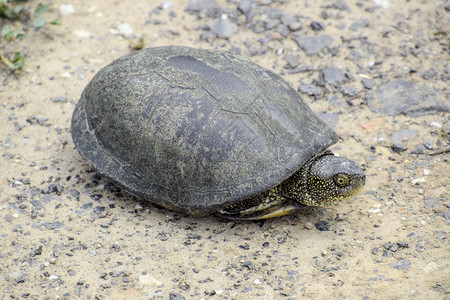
(269, 204)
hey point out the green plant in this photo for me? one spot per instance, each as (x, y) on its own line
(16, 62)
(9, 11)
(40, 21)
(12, 34)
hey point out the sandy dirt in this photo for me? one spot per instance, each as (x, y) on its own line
(68, 233)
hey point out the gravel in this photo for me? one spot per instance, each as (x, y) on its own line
(377, 72)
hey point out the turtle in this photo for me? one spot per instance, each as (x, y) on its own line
(208, 132)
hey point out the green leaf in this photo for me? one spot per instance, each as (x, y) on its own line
(16, 62)
(5, 30)
(17, 9)
(41, 8)
(10, 35)
(21, 35)
(39, 22)
(8, 13)
(55, 22)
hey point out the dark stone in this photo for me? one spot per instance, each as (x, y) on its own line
(368, 83)
(403, 244)
(53, 188)
(52, 225)
(312, 45)
(244, 6)
(340, 5)
(47, 198)
(286, 19)
(393, 248)
(292, 60)
(323, 226)
(301, 69)
(37, 204)
(359, 24)
(176, 296)
(22, 278)
(248, 265)
(446, 215)
(199, 5)
(310, 89)
(348, 91)
(223, 27)
(271, 24)
(317, 25)
(294, 26)
(75, 194)
(283, 30)
(337, 101)
(245, 246)
(429, 74)
(17, 126)
(333, 75)
(55, 251)
(99, 209)
(41, 121)
(398, 148)
(86, 206)
(354, 55)
(428, 144)
(401, 264)
(419, 149)
(59, 99)
(37, 251)
(408, 98)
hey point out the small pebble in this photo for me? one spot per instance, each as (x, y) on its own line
(333, 75)
(176, 296)
(374, 210)
(312, 45)
(125, 30)
(80, 33)
(223, 27)
(436, 124)
(244, 6)
(402, 264)
(323, 226)
(66, 9)
(148, 280)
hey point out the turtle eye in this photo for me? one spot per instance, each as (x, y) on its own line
(341, 180)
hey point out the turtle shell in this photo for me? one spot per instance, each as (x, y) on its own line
(194, 130)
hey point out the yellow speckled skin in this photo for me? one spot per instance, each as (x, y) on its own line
(323, 180)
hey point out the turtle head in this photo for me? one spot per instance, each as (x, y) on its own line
(329, 178)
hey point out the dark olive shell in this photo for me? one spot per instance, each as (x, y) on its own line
(194, 130)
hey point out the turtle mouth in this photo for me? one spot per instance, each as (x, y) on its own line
(355, 187)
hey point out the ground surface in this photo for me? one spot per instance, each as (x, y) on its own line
(379, 72)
